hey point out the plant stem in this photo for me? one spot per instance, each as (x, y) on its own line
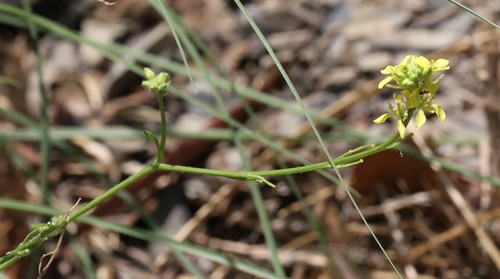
(120, 186)
(163, 139)
(244, 175)
(240, 175)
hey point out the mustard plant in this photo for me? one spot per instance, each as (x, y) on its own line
(414, 77)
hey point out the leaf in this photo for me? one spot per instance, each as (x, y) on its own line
(151, 137)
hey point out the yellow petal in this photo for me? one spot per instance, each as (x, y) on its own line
(388, 70)
(441, 65)
(384, 82)
(432, 87)
(439, 112)
(420, 119)
(405, 60)
(413, 100)
(422, 61)
(381, 119)
(401, 129)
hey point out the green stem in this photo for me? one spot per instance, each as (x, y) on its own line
(163, 139)
(240, 175)
(111, 192)
(8, 262)
(30, 243)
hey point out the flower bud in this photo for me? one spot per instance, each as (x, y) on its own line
(426, 72)
(149, 73)
(407, 83)
(400, 74)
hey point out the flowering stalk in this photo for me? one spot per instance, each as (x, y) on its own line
(157, 84)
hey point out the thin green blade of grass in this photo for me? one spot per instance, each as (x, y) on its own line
(44, 106)
(17, 160)
(313, 126)
(88, 267)
(193, 42)
(43, 181)
(314, 221)
(462, 6)
(48, 25)
(9, 81)
(116, 53)
(179, 34)
(198, 42)
(162, 8)
(59, 133)
(67, 133)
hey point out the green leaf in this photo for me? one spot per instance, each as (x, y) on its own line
(152, 138)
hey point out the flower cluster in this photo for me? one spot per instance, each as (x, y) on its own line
(414, 77)
(157, 84)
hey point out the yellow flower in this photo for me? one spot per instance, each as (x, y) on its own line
(413, 73)
(395, 72)
(413, 76)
